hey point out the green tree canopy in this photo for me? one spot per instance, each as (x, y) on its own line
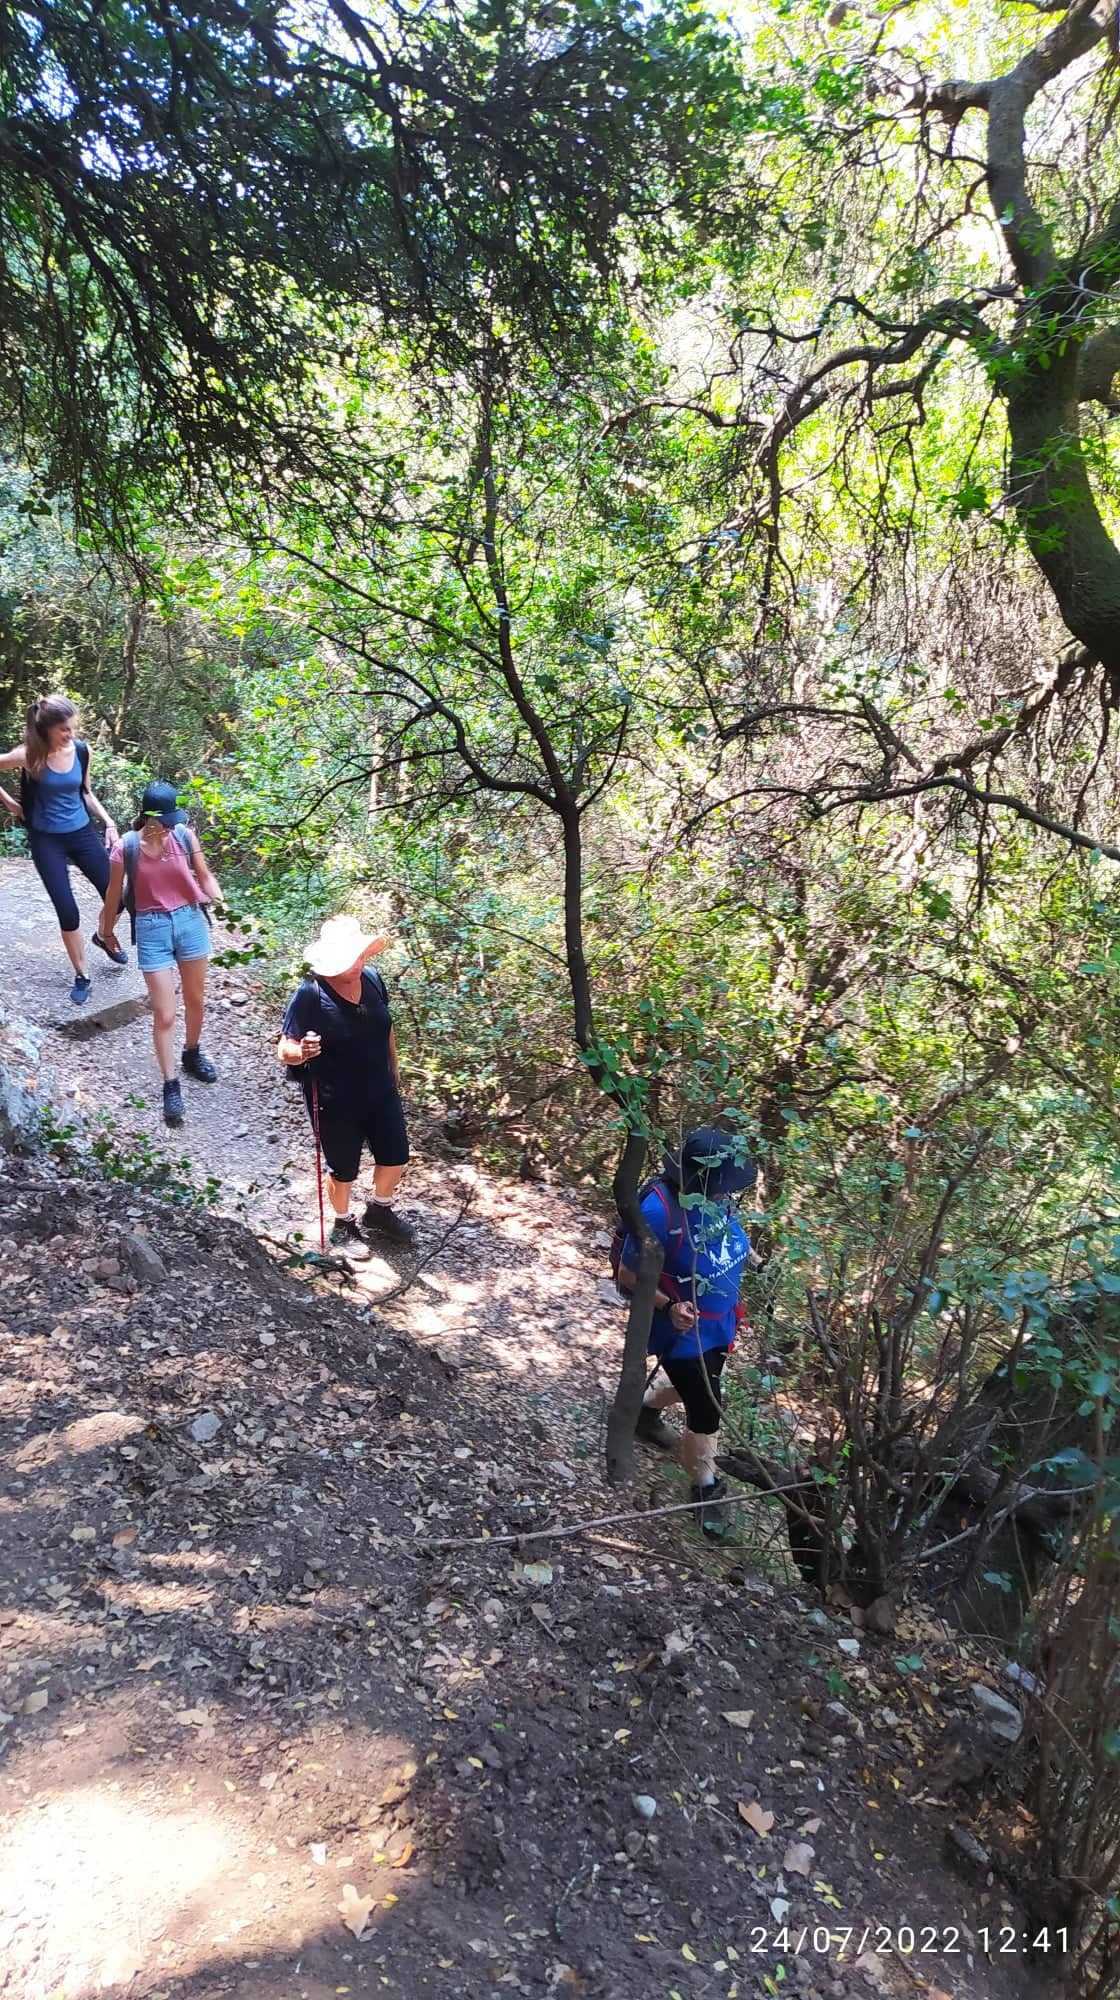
(194, 204)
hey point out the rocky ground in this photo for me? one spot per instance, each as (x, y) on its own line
(297, 1700)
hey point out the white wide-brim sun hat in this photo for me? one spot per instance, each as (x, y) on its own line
(341, 943)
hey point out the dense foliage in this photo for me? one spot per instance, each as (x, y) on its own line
(198, 204)
(645, 499)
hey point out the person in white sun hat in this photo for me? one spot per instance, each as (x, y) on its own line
(338, 1036)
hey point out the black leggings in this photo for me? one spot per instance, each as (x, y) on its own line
(54, 854)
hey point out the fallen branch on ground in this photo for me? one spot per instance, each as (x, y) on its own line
(318, 1264)
(581, 1527)
(422, 1262)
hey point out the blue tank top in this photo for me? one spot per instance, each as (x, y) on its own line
(58, 800)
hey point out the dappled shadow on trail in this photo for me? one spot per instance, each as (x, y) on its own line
(231, 1683)
(509, 1285)
(239, 1677)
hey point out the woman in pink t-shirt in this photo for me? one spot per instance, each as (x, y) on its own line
(172, 883)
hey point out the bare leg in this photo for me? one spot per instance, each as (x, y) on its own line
(698, 1456)
(661, 1399)
(338, 1194)
(345, 1235)
(161, 992)
(386, 1181)
(192, 973)
(75, 951)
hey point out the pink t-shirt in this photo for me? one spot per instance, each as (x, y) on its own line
(168, 882)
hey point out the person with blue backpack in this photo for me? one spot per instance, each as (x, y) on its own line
(696, 1305)
(57, 806)
(160, 875)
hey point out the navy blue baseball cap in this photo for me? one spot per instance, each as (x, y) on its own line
(160, 802)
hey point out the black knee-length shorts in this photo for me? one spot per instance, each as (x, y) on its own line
(696, 1380)
(345, 1129)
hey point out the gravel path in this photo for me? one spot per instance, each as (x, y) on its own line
(512, 1273)
(243, 1131)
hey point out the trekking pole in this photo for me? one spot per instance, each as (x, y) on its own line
(318, 1162)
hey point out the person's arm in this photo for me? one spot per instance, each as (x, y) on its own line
(95, 806)
(111, 907)
(394, 1063)
(291, 1052)
(298, 1043)
(12, 760)
(207, 880)
(680, 1311)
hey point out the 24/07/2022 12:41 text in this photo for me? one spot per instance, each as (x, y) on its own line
(906, 1940)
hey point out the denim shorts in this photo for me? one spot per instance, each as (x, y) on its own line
(165, 937)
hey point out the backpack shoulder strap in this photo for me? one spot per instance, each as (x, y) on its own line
(656, 1188)
(187, 840)
(130, 849)
(674, 1213)
(82, 751)
(313, 983)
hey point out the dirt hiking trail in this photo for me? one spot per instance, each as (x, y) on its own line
(264, 1733)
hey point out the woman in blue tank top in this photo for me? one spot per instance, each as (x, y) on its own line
(55, 804)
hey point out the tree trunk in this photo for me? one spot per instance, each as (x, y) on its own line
(373, 795)
(812, 1542)
(1049, 481)
(632, 1378)
(627, 1092)
(631, 1382)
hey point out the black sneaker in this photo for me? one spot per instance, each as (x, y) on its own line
(381, 1220)
(117, 957)
(174, 1110)
(81, 989)
(714, 1520)
(651, 1428)
(199, 1066)
(346, 1238)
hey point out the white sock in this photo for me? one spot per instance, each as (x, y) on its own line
(698, 1456)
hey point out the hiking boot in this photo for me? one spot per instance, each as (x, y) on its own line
(346, 1239)
(199, 1066)
(174, 1110)
(117, 957)
(81, 989)
(651, 1428)
(713, 1519)
(382, 1220)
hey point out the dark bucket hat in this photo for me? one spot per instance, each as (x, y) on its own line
(711, 1163)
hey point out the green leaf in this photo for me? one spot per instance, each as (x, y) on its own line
(999, 1579)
